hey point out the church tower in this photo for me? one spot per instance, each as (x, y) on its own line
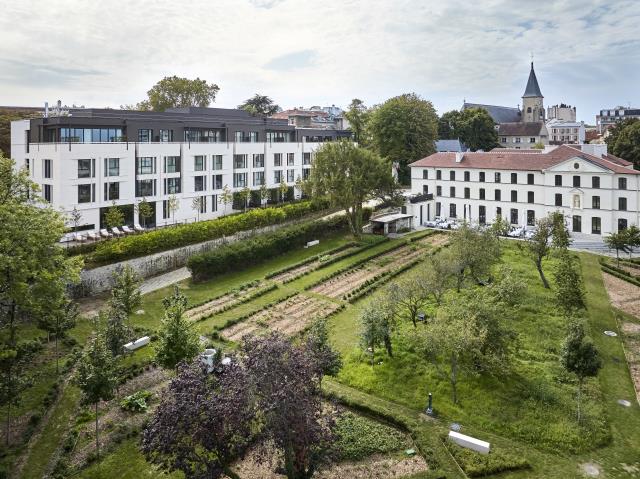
(532, 105)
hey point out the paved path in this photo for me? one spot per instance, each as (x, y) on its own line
(164, 280)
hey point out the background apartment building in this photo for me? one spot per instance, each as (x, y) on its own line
(611, 116)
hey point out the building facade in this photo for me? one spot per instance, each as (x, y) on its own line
(561, 112)
(598, 193)
(611, 116)
(566, 132)
(180, 161)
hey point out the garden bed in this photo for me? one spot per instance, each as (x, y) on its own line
(227, 301)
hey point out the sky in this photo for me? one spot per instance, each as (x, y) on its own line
(308, 52)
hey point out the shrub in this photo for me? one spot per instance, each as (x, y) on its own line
(243, 254)
(136, 402)
(475, 464)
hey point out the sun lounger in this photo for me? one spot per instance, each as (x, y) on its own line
(105, 233)
(79, 238)
(138, 228)
(127, 230)
(92, 235)
(116, 231)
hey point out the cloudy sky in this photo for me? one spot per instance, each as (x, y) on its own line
(306, 52)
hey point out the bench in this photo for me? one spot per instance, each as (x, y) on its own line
(469, 442)
(138, 343)
(312, 243)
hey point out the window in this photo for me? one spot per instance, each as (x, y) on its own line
(277, 176)
(145, 188)
(452, 176)
(514, 216)
(481, 193)
(238, 137)
(239, 180)
(558, 180)
(452, 210)
(595, 202)
(425, 189)
(258, 160)
(482, 214)
(166, 135)
(291, 176)
(290, 159)
(277, 159)
(577, 224)
(306, 173)
(514, 196)
(112, 191)
(425, 174)
(529, 178)
(253, 137)
(239, 161)
(622, 224)
(438, 190)
(467, 176)
(596, 226)
(145, 165)
(518, 140)
(258, 178)
(498, 212)
(497, 195)
(595, 182)
(514, 178)
(172, 164)
(438, 208)
(467, 192)
(496, 177)
(47, 168)
(111, 166)
(481, 177)
(203, 204)
(47, 193)
(504, 139)
(438, 174)
(622, 183)
(199, 183)
(89, 135)
(532, 140)
(306, 158)
(216, 181)
(576, 181)
(217, 162)
(165, 209)
(452, 191)
(86, 194)
(558, 199)
(214, 203)
(145, 136)
(530, 197)
(622, 204)
(531, 218)
(171, 186)
(84, 169)
(199, 163)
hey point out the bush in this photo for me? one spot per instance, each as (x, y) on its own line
(243, 254)
(168, 238)
(475, 464)
(136, 402)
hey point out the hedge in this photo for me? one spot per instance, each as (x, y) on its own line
(619, 273)
(251, 251)
(310, 259)
(163, 239)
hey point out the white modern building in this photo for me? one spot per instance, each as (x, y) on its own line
(91, 158)
(610, 117)
(598, 193)
(564, 132)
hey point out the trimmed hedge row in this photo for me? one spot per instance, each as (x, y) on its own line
(619, 273)
(163, 239)
(241, 287)
(246, 299)
(475, 464)
(243, 254)
(310, 259)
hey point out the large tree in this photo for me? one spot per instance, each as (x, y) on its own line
(377, 326)
(178, 92)
(473, 253)
(349, 175)
(448, 125)
(358, 117)
(624, 140)
(476, 129)
(539, 245)
(259, 105)
(403, 129)
(409, 294)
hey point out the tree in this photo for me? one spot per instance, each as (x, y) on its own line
(177, 340)
(57, 320)
(580, 357)
(177, 92)
(96, 376)
(196, 205)
(116, 332)
(203, 423)
(244, 195)
(500, 226)
(409, 294)
(376, 327)
(476, 129)
(617, 241)
(75, 216)
(317, 343)
(569, 292)
(114, 217)
(285, 380)
(6, 117)
(624, 140)
(539, 245)
(437, 275)
(226, 197)
(282, 188)
(560, 237)
(348, 175)
(358, 116)
(125, 291)
(632, 236)
(264, 194)
(403, 130)
(173, 203)
(259, 105)
(448, 124)
(144, 211)
(474, 253)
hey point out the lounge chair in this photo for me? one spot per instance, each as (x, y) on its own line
(93, 235)
(105, 233)
(116, 231)
(127, 230)
(138, 228)
(79, 238)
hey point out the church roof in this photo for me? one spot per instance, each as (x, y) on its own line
(450, 145)
(500, 114)
(520, 129)
(533, 89)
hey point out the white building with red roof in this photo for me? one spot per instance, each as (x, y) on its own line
(598, 193)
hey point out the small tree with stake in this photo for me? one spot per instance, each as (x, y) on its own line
(144, 211)
(114, 217)
(264, 194)
(539, 246)
(244, 194)
(196, 205)
(173, 203)
(126, 289)
(75, 216)
(618, 242)
(569, 292)
(317, 343)
(376, 326)
(580, 357)
(632, 236)
(226, 197)
(282, 188)
(96, 376)
(58, 320)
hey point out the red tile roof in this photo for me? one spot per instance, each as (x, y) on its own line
(519, 160)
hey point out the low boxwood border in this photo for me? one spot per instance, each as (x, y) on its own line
(246, 299)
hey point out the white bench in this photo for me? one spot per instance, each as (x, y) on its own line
(138, 343)
(312, 243)
(469, 442)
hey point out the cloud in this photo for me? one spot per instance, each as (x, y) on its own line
(292, 61)
(265, 3)
(37, 74)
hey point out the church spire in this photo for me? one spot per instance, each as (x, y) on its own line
(533, 89)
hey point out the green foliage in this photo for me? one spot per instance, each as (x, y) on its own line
(178, 92)
(243, 254)
(618, 242)
(95, 374)
(358, 437)
(475, 464)
(473, 126)
(624, 140)
(403, 129)
(259, 105)
(116, 332)
(125, 292)
(144, 210)
(114, 217)
(569, 291)
(357, 115)
(6, 117)
(472, 253)
(136, 402)
(376, 327)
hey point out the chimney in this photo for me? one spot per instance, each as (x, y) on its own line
(459, 156)
(46, 109)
